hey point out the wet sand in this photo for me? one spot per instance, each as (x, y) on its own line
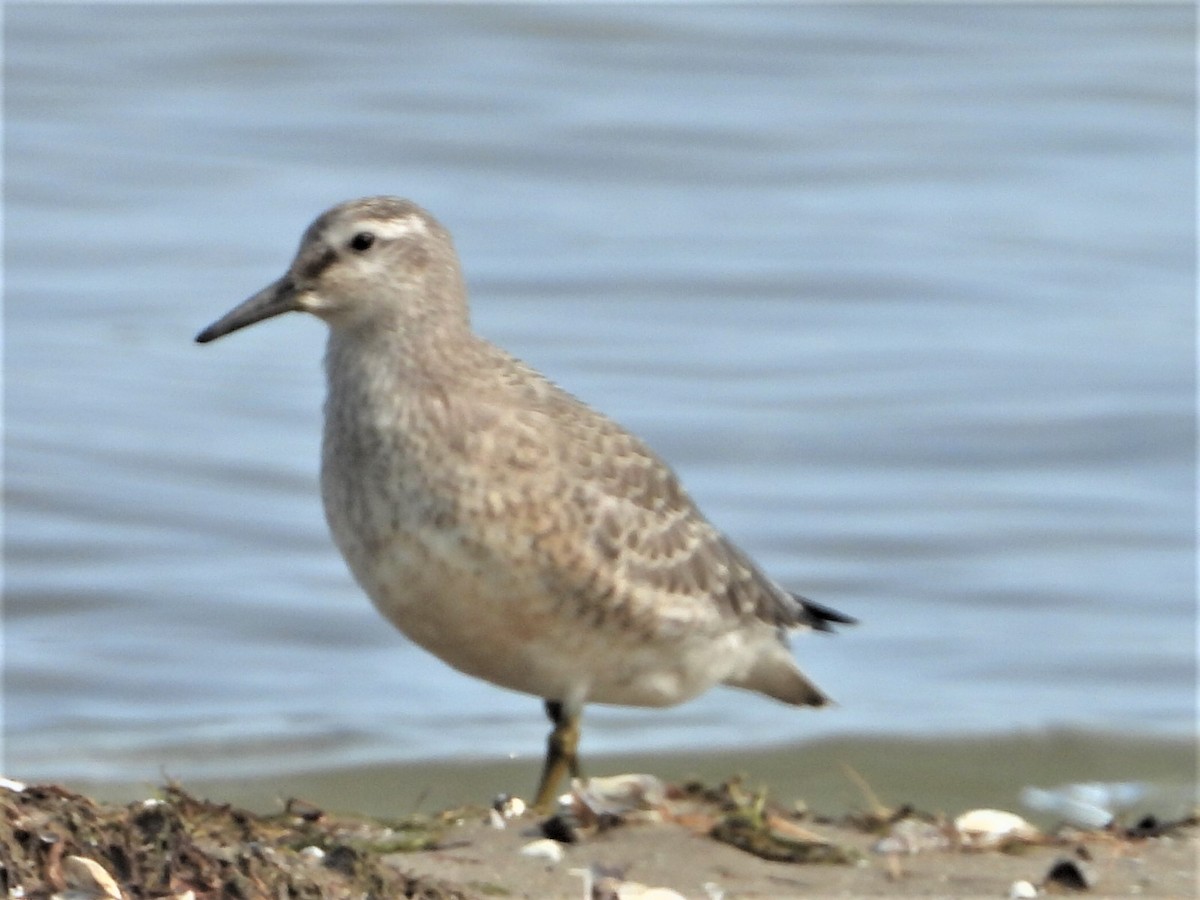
(944, 775)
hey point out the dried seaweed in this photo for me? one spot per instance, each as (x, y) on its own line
(177, 843)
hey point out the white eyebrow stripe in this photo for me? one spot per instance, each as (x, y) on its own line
(389, 229)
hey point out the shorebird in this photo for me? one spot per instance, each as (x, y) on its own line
(501, 523)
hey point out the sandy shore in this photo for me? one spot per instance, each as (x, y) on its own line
(704, 841)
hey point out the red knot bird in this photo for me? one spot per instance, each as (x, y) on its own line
(499, 522)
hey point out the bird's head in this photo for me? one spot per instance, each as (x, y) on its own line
(379, 261)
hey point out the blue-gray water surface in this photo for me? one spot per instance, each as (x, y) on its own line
(905, 293)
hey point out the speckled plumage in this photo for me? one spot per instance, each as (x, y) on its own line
(496, 520)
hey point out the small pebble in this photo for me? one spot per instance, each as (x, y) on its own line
(511, 807)
(609, 887)
(1022, 890)
(1069, 875)
(912, 836)
(558, 828)
(505, 807)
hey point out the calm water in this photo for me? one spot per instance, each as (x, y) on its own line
(905, 293)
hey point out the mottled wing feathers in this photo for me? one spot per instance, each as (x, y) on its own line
(625, 539)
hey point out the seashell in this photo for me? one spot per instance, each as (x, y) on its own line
(544, 849)
(980, 828)
(87, 880)
(619, 794)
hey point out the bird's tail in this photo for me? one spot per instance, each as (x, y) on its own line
(775, 674)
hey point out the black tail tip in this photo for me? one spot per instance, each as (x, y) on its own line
(823, 618)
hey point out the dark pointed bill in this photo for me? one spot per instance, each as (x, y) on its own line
(276, 298)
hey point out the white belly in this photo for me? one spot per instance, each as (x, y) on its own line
(498, 622)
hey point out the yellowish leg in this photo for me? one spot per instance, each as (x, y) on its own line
(561, 757)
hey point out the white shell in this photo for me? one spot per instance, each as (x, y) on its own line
(618, 794)
(989, 827)
(87, 880)
(544, 848)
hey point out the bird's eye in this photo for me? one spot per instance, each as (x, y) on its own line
(362, 241)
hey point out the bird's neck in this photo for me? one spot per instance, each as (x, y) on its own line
(382, 358)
